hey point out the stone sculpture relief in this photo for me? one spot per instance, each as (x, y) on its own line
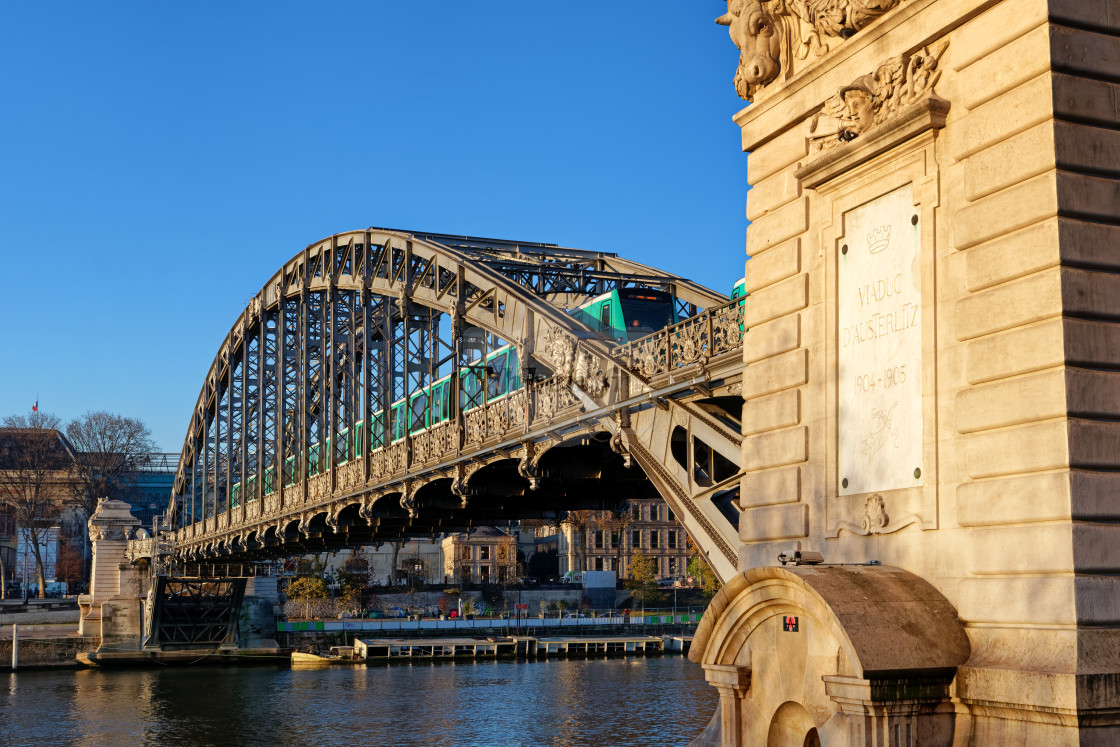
(873, 99)
(770, 34)
(573, 364)
(875, 517)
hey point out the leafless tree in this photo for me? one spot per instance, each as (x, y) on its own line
(111, 448)
(397, 545)
(36, 472)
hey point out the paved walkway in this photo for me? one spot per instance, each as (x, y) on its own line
(40, 631)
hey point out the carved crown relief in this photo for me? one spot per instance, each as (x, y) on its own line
(873, 99)
(770, 34)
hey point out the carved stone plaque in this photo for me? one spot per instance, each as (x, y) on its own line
(879, 294)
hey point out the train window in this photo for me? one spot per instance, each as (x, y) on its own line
(496, 376)
(470, 387)
(513, 373)
(645, 312)
(606, 316)
(419, 410)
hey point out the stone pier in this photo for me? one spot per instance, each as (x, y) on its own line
(113, 609)
(932, 377)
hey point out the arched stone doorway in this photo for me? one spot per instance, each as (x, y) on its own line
(805, 655)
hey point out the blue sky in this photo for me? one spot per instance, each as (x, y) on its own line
(161, 160)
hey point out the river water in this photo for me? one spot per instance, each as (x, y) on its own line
(640, 701)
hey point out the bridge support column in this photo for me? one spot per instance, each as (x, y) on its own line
(112, 609)
(933, 376)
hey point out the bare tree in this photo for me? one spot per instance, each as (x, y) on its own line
(397, 545)
(36, 472)
(111, 448)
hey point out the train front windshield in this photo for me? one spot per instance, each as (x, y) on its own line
(645, 312)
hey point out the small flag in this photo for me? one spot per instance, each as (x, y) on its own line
(35, 407)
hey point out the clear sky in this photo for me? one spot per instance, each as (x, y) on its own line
(162, 160)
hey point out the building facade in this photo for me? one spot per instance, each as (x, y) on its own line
(606, 542)
(487, 555)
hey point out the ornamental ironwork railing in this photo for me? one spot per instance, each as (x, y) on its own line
(696, 340)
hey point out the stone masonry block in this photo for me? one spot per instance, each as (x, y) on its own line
(1045, 496)
(1020, 206)
(776, 154)
(771, 339)
(778, 300)
(1041, 496)
(1042, 600)
(775, 374)
(1009, 162)
(1094, 444)
(1089, 343)
(771, 193)
(1087, 52)
(1017, 351)
(995, 29)
(770, 487)
(774, 265)
(1050, 394)
(1031, 448)
(1006, 67)
(1030, 299)
(773, 228)
(1013, 256)
(775, 448)
(1006, 115)
(1024, 399)
(770, 413)
(1101, 14)
(1086, 99)
(774, 523)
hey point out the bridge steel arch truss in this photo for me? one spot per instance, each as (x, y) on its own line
(293, 445)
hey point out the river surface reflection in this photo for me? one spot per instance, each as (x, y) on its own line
(654, 701)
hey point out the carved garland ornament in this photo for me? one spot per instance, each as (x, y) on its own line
(875, 98)
(770, 34)
(572, 364)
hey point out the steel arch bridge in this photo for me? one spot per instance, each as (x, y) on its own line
(385, 384)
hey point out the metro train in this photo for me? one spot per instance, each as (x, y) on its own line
(623, 314)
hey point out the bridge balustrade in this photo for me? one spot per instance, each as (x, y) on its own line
(715, 332)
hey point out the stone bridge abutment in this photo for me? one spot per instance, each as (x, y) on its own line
(931, 378)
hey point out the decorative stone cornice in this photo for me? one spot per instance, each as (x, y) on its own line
(875, 98)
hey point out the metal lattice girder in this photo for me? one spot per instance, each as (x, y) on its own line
(294, 445)
(194, 612)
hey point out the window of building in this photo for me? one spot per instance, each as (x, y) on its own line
(672, 516)
(636, 538)
(465, 552)
(672, 539)
(653, 512)
(636, 512)
(484, 573)
(672, 566)
(655, 539)
(598, 564)
(615, 540)
(484, 552)
(599, 540)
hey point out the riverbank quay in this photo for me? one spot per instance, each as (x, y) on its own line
(677, 629)
(38, 612)
(389, 650)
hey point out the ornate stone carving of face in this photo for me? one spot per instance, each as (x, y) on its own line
(754, 31)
